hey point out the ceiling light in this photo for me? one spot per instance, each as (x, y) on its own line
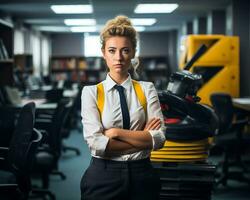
(143, 21)
(43, 21)
(53, 28)
(80, 22)
(83, 29)
(69, 9)
(140, 28)
(156, 8)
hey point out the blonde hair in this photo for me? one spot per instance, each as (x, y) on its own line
(120, 26)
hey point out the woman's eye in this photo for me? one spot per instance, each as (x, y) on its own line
(126, 51)
(111, 51)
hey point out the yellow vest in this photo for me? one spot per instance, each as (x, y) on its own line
(138, 91)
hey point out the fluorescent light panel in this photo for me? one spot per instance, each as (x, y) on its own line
(53, 28)
(83, 29)
(156, 8)
(71, 9)
(139, 28)
(143, 21)
(80, 22)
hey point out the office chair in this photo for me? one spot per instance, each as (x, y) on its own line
(18, 160)
(7, 125)
(72, 122)
(4, 100)
(47, 158)
(54, 95)
(230, 138)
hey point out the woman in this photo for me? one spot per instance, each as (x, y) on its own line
(122, 122)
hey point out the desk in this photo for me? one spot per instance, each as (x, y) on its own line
(70, 93)
(40, 104)
(242, 103)
(66, 93)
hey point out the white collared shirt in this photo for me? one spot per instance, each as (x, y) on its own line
(93, 127)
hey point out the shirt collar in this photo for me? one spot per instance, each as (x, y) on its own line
(110, 83)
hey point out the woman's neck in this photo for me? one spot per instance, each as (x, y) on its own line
(118, 78)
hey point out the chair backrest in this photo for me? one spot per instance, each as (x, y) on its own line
(4, 100)
(223, 106)
(23, 146)
(57, 124)
(7, 125)
(77, 101)
(54, 95)
(73, 114)
(23, 180)
(21, 138)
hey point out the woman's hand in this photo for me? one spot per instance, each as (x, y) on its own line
(111, 133)
(153, 124)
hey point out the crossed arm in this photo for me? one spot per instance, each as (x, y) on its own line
(124, 141)
(117, 141)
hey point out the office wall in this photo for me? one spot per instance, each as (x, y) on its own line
(160, 44)
(67, 44)
(153, 44)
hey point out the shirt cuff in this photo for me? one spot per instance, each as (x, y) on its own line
(99, 146)
(158, 138)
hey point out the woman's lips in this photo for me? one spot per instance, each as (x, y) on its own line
(118, 65)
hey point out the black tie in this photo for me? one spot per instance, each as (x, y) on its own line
(124, 107)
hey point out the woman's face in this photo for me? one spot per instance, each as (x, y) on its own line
(118, 53)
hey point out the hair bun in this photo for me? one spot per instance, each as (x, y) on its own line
(122, 20)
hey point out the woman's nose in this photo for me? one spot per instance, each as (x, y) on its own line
(118, 56)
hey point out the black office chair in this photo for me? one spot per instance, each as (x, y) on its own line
(230, 138)
(4, 100)
(7, 125)
(16, 165)
(72, 122)
(47, 158)
(54, 95)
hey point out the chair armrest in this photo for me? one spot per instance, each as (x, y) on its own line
(45, 136)
(44, 132)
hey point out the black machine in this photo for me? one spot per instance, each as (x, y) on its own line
(185, 118)
(182, 163)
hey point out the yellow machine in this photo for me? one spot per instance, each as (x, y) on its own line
(219, 65)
